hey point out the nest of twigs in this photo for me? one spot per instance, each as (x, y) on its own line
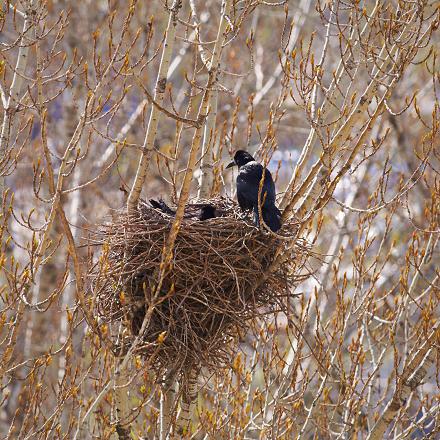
(219, 280)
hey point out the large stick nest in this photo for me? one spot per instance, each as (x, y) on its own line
(219, 280)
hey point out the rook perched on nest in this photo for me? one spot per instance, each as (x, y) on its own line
(249, 177)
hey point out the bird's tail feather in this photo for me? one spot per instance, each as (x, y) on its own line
(272, 217)
(162, 206)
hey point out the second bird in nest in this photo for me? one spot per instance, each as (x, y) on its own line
(203, 211)
(250, 174)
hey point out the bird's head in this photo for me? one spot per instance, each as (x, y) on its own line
(241, 158)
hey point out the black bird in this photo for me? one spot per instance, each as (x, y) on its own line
(207, 211)
(249, 177)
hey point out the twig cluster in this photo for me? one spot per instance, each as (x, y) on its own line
(210, 293)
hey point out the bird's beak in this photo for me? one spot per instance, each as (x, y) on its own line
(230, 165)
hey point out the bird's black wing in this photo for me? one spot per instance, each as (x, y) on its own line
(243, 201)
(268, 189)
(248, 181)
(272, 217)
(248, 186)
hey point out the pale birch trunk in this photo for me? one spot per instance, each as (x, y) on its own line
(206, 166)
(159, 93)
(12, 101)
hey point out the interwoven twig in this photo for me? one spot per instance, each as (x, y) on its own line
(210, 293)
